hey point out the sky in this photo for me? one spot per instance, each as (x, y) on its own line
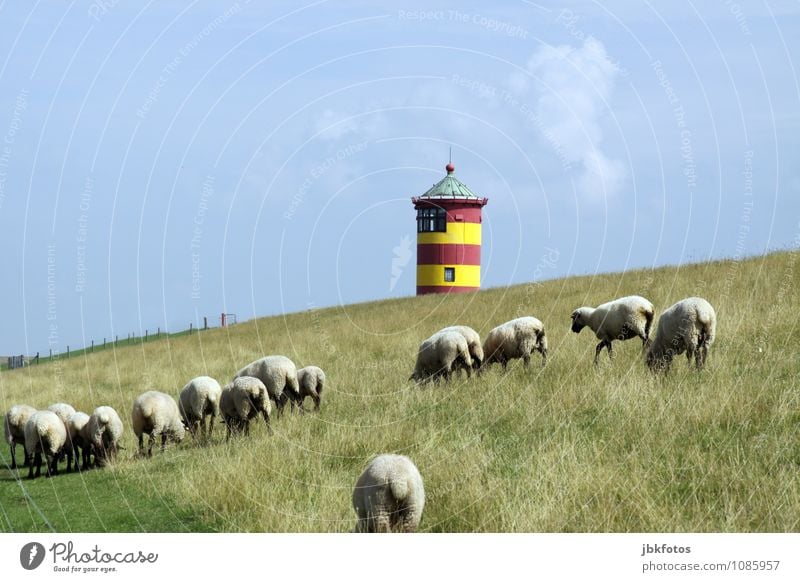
(162, 162)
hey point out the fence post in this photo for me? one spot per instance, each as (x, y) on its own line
(205, 322)
(92, 346)
(146, 333)
(158, 333)
(67, 351)
(51, 353)
(190, 328)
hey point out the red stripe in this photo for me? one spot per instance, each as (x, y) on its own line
(457, 211)
(469, 214)
(448, 254)
(428, 289)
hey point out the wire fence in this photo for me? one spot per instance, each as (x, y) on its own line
(131, 339)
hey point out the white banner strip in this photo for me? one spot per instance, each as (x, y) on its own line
(406, 558)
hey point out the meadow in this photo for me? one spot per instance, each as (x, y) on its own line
(568, 447)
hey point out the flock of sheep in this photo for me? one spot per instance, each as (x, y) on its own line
(686, 327)
(389, 495)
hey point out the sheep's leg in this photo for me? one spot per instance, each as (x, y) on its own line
(69, 459)
(85, 456)
(504, 363)
(141, 445)
(37, 463)
(317, 401)
(597, 351)
(211, 420)
(13, 447)
(52, 465)
(151, 441)
(526, 360)
(610, 351)
(163, 442)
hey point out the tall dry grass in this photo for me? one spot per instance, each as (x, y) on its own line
(567, 447)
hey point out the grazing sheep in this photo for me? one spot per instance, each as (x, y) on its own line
(517, 338)
(198, 399)
(311, 380)
(46, 435)
(279, 375)
(14, 426)
(688, 326)
(103, 433)
(156, 414)
(242, 400)
(473, 343)
(76, 444)
(621, 319)
(389, 496)
(63, 411)
(440, 355)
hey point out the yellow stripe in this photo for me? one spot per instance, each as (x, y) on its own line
(465, 233)
(466, 275)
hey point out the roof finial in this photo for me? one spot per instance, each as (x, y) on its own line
(450, 167)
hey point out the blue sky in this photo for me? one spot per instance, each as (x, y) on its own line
(167, 161)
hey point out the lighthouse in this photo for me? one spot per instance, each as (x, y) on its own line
(448, 237)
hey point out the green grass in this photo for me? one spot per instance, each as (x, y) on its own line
(567, 447)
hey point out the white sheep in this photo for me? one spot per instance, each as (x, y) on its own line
(440, 355)
(14, 428)
(198, 399)
(156, 414)
(103, 432)
(279, 375)
(76, 444)
(688, 326)
(242, 400)
(514, 339)
(63, 411)
(473, 343)
(389, 496)
(621, 319)
(311, 380)
(46, 435)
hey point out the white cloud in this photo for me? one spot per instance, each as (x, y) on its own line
(574, 85)
(333, 126)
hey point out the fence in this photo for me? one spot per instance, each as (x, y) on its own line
(14, 362)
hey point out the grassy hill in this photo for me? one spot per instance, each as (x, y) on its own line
(567, 447)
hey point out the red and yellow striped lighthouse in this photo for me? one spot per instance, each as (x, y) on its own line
(448, 237)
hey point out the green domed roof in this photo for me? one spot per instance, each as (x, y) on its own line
(450, 187)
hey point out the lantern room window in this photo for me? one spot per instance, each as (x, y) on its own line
(449, 274)
(431, 220)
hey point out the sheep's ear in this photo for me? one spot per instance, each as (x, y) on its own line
(574, 315)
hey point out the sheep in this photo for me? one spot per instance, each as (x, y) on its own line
(75, 440)
(156, 414)
(440, 355)
(311, 380)
(63, 411)
(279, 375)
(517, 338)
(621, 319)
(14, 426)
(688, 326)
(473, 343)
(389, 496)
(198, 399)
(46, 435)
(242, 400)
(103, 433)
